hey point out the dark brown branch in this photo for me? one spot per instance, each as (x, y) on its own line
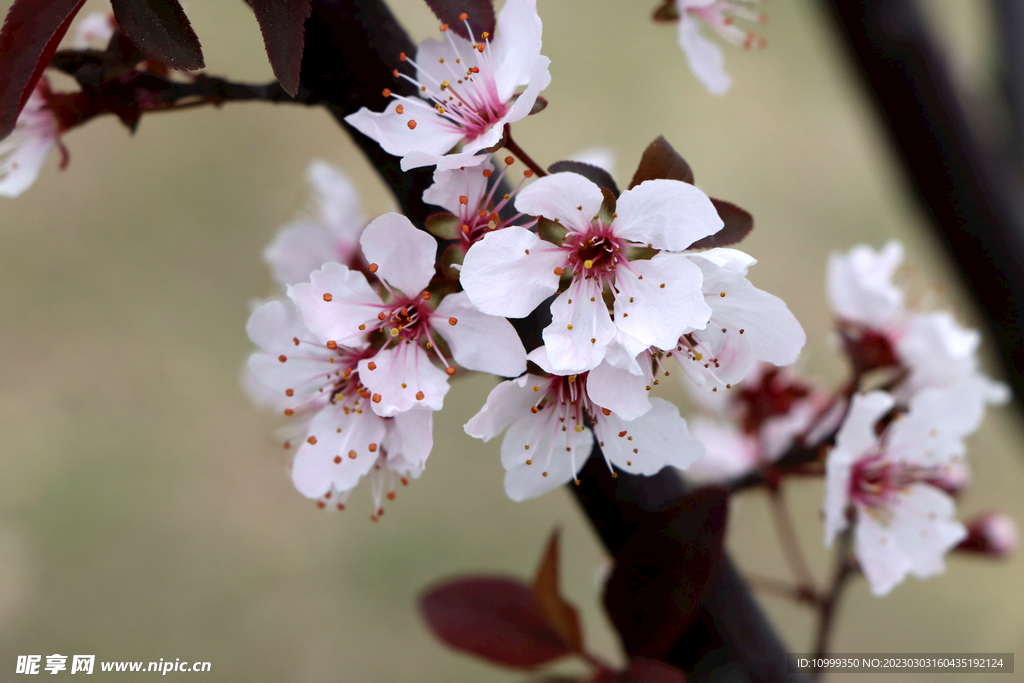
(829, 602)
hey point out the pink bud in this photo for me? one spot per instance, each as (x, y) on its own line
(993, 534)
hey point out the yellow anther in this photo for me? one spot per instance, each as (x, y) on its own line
(579, 428)
(394, 331)
(588, 264)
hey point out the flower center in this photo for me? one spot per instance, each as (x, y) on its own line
(594, 254)
(876, 481)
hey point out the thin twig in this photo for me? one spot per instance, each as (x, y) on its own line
(844, 568)
(513, 147)
(781, 588)
(791, 549)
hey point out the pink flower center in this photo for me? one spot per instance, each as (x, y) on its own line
(594, 254)
(875, 482)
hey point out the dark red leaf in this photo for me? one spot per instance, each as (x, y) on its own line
(663, 570)
(667, 13)
(161, 30)
(659, 160)
(594, 174)
(560, 614)
(495, 618)
(29, 37)
(282, 23)
(480, 16)
(651, 671)
(738, 224)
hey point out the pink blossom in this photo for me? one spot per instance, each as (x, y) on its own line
(704, 57)
(332, 234)
(341, 439)
(655, 300)
(94, 31)
(993, 534)
(467, 92)
(547, 441)
(904, 524)
(340, 307)
(36, 133)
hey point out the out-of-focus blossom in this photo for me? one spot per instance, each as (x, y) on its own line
(332, 234)
(36, 133)
(705, 58)
(992, 534)
(467, 92)
(903, 524)
(547, 441)
(94, 31)
(655, 300)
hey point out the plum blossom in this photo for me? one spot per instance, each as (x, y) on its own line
(467, 92)
(469, 196)
(318, 385)
(993, 533)
(331, 235)
(340, 307)
(94, 31)
(880, 331)
(548, 441)
(904, 524)
(704, 57)
(36, 133)
(655, 300)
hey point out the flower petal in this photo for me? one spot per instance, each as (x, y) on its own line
(556, 456)
(299, 249)
(704, 57)
(860, 286)
(618, 390)
(340, 452)
(450, 185)
(478, 341)
(404, 255)
(352, 302)
(540, 78)
(568, 197)
(667, 214)
(400, 373)
(510, 272)
(515, 49)
(660, 299)
(580, 329)
(338, 201)
(729, 452)
(409, 440)
(649, 443)
(507, 402)
(432, 136)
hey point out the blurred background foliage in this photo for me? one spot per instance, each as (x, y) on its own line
(145, 505)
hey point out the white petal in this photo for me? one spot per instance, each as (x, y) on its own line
(556, 456)
(860, 286)
(647, 444)
(731, 259)
(580, 329)
(667, 214)
(404, 255)
(517, 45)
(510, 272)
(540, 78)
(507, 402)
(479, 341)
(401, 372)
(624, 352)
(338, 201)
(432, 135)
(337, 435)
(22, 156)
(450, 185)
(666, 303)
(409, 440)
(725, 358)
(299, 249)
(729, 452)
(352, 303)
(704, 57)
(568, 197)
(620, 391)
(933, 430)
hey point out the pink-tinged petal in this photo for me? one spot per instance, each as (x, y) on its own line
(837, 496)
(732, 260)
(568, 197)
(725, 358)
(432, 134)
(409, 440)
(435, 60)
(507, 402)
(404, 255)
(624, 351)
(400, 373)
(540, 78)
(515, 49)
(349, 303)
(666, 302)
(730, 453)
(338, 202)
(479, 341)
(298, 250)
(274, 324)
(883, 565)
(24, 151)
(580, 329)
(620, 391)
(510, 272)
(860, 286)
(932, 431)
(704, 57)
(450, 185)
(649, 443)
(341, 449)
(666, 214)
(556, 456)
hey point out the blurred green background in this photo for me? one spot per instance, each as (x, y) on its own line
(145, 506)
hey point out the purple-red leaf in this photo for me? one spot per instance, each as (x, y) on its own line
(663, 571)
(495, 618)
(480, 16)
(651, 671)
(738, 224)
(282, 23)
(660, 160)
(560, 614)
(162, 31)
(29, 37)
(594, 174)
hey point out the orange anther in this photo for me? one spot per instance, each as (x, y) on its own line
(463, 16)
(453, 321)
(444, 27)
(373, 448)
(327, 297)
(289, 412)
(282, 358)
(332, 345)
(352, 455)
(401, 56)
(320, 504)
(463, 199)
(419, 395)
(426, 296)
(411, 124)
(289, 392)
(373, 268)
(400, 109)
(337, 459)
(311, 440)
(376, 398)
(386, 92)
(480, 47)
(488, 173)
(558, 271)
(450, 370)
(509, 160)
(371, 365)
(528, 173)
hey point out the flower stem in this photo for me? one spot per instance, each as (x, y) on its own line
(844, 568)
(513, 147)
(790, 543)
